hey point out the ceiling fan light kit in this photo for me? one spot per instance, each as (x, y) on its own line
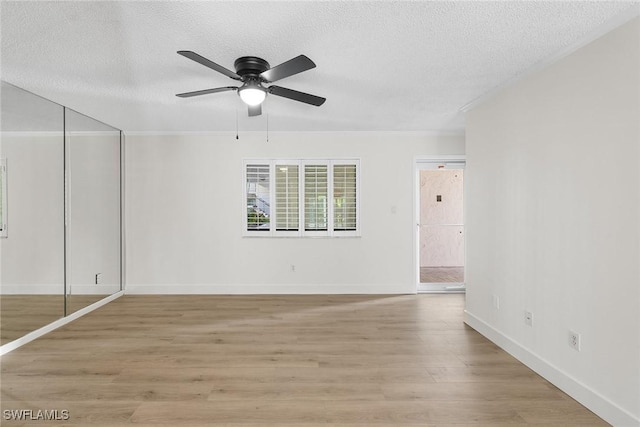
(253, 72)
(252, 94)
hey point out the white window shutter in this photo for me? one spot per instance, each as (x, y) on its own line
(345, 206)
(316, 212)
(287, 197)
(302, 197)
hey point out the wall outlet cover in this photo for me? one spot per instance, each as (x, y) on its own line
(574, 340)
(528, 318)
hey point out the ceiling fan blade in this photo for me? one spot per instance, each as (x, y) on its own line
(286, 69)
(206, 91)
(255, 110)
(297, 96)
(207, 63)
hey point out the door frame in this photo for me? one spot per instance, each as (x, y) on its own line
(422, 163)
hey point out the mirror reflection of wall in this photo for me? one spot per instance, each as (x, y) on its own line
(61, 215)
(32, 255)
(93, 208)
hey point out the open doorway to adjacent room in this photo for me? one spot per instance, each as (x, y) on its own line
(440, 237)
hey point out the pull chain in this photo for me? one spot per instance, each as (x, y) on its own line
(237, 123)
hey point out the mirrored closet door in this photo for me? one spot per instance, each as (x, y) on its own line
(93, 259)
(60, 193)
(32, 244)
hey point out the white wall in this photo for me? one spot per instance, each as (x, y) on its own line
(32, 259)
(553, 222)
(185, 208)
(93, 236)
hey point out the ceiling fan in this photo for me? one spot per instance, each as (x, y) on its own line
(253, 72)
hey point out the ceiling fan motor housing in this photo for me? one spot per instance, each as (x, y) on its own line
(250, 65)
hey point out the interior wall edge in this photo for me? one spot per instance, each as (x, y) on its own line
(540, 240)
(588, 397)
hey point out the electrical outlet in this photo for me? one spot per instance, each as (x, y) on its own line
(98, 278)
(528, 318)
(496, 302)
(574, 340)
(293, 268)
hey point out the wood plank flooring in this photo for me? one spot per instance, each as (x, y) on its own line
(441, 274)
(21, 314)
(279, 360)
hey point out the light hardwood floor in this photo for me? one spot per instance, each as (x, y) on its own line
(21, 314)
(441, 274)
(280, 360)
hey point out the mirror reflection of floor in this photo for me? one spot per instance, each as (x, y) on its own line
(77, 302)
(21, 314)
(441, 274)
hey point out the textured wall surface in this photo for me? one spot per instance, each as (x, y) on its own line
(441, 235)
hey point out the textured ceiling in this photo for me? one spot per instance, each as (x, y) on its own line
(383, 66)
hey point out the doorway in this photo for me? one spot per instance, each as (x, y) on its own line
(440, 237)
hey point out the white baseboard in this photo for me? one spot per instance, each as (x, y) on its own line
(594, 401)
(32, 289)
(266, 289)
(10, 346)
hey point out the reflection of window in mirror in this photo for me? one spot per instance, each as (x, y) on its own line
(3, 198)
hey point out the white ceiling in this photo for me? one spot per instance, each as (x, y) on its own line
(383, 66)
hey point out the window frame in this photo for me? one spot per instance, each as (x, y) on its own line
(257, 173)
(357, 201)
(273, 163)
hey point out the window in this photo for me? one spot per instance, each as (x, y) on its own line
(3, 198)
(308, 198)
(344, 197)
(287, 198)
(258, 192)
(316, 193)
